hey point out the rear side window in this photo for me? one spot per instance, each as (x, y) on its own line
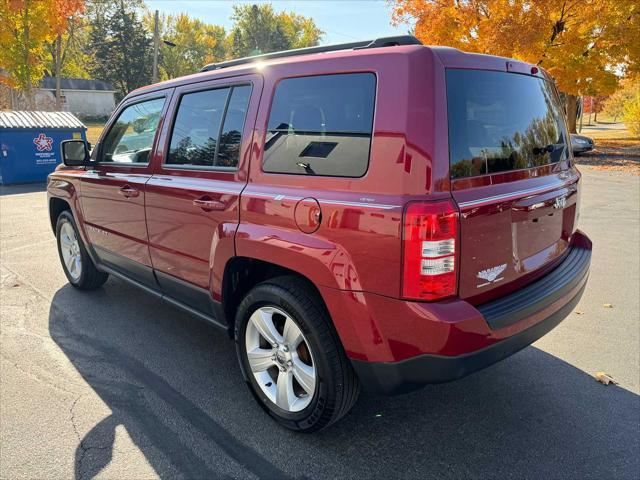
(502, 121)
(321, 125)
(229, 150)
(208, 128)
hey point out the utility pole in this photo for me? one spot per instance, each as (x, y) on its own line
(58, 69)
(156, 47)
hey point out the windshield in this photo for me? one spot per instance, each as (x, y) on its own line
(502, 121)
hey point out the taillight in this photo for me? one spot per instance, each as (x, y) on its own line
(430, 240)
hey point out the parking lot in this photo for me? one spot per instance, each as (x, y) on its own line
(116, 384)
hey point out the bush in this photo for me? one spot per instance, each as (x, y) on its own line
(93, 119)
(614, 105)
(631, 114)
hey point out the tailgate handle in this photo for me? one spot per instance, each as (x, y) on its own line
(530, 208)
(558, 202)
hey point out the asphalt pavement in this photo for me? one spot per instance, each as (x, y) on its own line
(115, 384)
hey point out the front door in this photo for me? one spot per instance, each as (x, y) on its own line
(192, 200)
(113, 193)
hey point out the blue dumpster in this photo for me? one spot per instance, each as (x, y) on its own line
(30, 143)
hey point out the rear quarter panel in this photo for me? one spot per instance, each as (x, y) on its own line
(357, 246)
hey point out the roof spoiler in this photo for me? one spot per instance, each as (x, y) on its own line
(361, 45)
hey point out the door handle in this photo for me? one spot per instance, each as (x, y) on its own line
(128, 192)
(208, 204)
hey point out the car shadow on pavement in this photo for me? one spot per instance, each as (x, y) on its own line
(174, 384)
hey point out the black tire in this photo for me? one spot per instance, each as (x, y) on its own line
(337, 386)
(90, 277)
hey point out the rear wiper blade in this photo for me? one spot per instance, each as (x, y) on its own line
(307, 167)
(552, 147)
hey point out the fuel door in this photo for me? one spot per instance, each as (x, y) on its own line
(308, 215)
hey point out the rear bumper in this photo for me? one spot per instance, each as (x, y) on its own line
(510, 324)
(407, 375)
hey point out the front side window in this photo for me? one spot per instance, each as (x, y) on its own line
(131, 137)
(208, 128)
(502, 121)
(321, 125)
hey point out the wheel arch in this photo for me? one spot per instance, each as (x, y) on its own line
(56, 207)
(241, 274)
(62, 196)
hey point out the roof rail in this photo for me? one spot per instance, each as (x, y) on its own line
(361, 45)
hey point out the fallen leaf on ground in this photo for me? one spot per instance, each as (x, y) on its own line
(608, 305)
(605, 378)
(578, 312)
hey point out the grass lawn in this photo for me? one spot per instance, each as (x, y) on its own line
(93, 132)
(610, 134)
(616, 148)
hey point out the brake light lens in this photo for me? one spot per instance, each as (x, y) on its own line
(430, 238)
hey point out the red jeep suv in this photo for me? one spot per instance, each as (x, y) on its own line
(380, 214)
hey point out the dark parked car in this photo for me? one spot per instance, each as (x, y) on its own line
(380, 214)
(581, 144)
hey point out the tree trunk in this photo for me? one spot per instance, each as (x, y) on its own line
(595, 117)
(572, 112)
(58, 61)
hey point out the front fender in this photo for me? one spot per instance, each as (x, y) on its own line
(65, 185)
(66, 188)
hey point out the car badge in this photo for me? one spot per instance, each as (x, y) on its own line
(559, 203)
(491, 275)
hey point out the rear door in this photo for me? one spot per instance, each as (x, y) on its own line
(193, 197)
(113, 192)
(512, 178)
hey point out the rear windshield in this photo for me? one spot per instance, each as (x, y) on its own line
(502, 121)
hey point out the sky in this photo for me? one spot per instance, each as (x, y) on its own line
(341, 20)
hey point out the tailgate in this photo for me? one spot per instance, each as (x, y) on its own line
(512, 178)
(505, 239)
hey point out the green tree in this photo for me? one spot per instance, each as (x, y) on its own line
(120, 46)
(69, 50)
(66, 56)
(300, 31)
(259, 29)
(187, 44)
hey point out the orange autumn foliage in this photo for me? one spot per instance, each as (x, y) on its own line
(26, 27)
(583, 44)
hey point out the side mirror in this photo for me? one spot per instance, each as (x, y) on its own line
(75, 153)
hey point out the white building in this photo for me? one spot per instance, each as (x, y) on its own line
(84, 98)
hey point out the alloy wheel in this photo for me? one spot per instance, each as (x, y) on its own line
(280, 359)
(70, 249)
